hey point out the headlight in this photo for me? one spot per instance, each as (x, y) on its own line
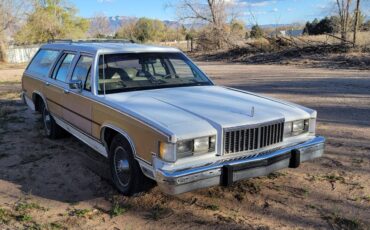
(201, 145)
(288, 126)
(212, 143)
(195, 146)
(184, 148)
(296, 127)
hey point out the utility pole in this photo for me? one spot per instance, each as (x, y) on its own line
(357, 14)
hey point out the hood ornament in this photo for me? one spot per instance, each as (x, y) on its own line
(252, 111)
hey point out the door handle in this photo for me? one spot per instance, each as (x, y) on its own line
(47, 83)
(66, 91)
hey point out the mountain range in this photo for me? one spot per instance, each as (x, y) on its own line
(116, 22)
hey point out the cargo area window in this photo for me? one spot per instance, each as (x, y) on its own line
(42, 62)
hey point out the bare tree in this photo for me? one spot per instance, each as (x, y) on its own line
(344, 15)
(357, 14)
(11, 14)
(99, 26)
(215, 13)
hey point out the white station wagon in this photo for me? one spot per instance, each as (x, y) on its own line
(155, 115)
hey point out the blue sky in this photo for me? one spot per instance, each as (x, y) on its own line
(262, 11)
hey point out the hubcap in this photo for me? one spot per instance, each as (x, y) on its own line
(47, 121)
(122, 166)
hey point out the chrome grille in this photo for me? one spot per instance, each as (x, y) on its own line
(252, 138)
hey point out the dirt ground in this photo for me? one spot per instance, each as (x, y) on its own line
(62, 184)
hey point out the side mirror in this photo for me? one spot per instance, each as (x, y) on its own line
(76, 85)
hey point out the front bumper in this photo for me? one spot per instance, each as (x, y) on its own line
(225, 173)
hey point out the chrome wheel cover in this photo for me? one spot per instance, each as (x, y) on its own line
(122, 166)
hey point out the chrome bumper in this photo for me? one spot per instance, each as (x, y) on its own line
(176, 182)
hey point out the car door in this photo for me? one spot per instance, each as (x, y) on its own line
(77, 105)
(56, 86)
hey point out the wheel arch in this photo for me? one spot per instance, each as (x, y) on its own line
(108, 132)
(37, 98)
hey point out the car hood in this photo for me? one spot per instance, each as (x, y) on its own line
(203, 110)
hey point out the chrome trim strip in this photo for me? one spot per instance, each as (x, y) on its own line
(87, 140)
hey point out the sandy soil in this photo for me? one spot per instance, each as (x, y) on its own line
(62, 184)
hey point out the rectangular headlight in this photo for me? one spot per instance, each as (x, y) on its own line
(184, 148)
(201, 145)
(296, 128)
(288, 126)
(212, 143)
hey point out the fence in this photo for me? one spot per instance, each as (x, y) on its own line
(21, 54)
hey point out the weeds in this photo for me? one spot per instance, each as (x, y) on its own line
(56, 226)
(340, 222)
(25, 207)
(334, 178)
(275, 175)
(117, 210)
(305, 191)
(212, 207)
(344, 223)
(24, 218)
(366, 198)
(5, 216)
(79, 212)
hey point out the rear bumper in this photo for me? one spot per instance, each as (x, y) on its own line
(228, 172)
(27, 101)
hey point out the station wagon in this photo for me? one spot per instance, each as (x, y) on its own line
(156, 116)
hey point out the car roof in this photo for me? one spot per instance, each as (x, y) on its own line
(108, 47)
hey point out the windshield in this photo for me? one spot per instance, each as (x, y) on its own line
(140, 71)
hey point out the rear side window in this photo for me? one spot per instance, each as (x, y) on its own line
(42, 62)
(61, 73)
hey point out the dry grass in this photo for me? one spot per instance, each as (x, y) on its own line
(4, 66)
(363, 38)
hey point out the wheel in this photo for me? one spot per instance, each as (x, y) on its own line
(126, 173)
(51, 128)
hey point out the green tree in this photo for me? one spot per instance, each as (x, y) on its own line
(52, 19)
(326, 25)
(237, 29)
(144, 30)
(256, 32)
